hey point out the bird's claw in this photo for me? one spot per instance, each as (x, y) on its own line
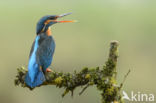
(48, 70)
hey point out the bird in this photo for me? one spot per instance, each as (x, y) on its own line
(42, 50)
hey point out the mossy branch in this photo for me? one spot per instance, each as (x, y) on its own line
(104, 78)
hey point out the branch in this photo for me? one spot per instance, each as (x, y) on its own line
(104, 78)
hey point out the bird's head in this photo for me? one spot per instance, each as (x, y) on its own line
(45, 22)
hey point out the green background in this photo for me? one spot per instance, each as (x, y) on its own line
(85, 43)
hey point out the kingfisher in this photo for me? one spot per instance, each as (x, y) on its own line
(41, 53)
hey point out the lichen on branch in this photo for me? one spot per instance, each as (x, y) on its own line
(103, 78)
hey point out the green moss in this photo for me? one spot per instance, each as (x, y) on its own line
(87, 76)
(58, 80)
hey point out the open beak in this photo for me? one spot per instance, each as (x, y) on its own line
(65, 21)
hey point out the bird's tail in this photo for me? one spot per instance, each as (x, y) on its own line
(38, 80)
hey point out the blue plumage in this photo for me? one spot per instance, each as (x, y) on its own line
(45, 51)
(41, 23)
(42, 51)
(33, 66)
(41, 54)
(40, 59)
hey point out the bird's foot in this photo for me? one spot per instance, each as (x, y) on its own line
(48, 70)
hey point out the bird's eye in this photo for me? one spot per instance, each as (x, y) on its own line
(52, 18)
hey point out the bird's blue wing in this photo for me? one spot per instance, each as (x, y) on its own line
(45, 51)
(34, 76)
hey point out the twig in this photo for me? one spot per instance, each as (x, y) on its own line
(84, 89)
(125, 77)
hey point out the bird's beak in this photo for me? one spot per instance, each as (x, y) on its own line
(65, 21)
(65, 14)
